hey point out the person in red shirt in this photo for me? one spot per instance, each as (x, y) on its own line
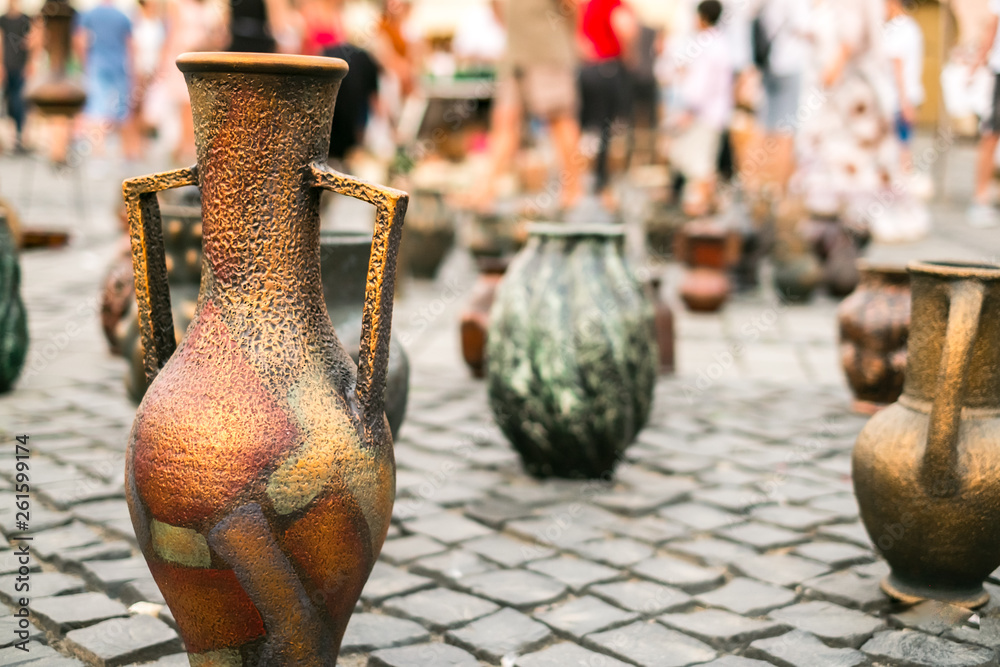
(607, 30)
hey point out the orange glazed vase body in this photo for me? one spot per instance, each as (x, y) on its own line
(260, 473)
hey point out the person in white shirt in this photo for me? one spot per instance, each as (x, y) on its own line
(705, 100)
(982, 212)
(785, 25)
(904, 46)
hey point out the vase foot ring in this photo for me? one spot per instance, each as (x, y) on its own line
(910, 594)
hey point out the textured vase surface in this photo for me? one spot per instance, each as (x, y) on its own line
(13, 319)
(571, 352)
(926, 468)
(874, 328)
(259, 472)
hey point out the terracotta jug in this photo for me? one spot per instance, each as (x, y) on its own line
(874, 326)
(925, 468)
(259, 472)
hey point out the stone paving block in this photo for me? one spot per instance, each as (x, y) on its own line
(584, 615)
(120, 641)
(877, 569)
(141, 590)
(453, 565)
(749, 597)
(909, 648)
(111, 575)
(371, 632)
(699, 517)
(440, 608)
(506, 551)
(669, 490)
(987, 634)
(448, 528)
(680, 574)
(932, 617)
(36, 653)
(516, 588)
(762, 536)
(651, 529)
(567, 655)
(738, 500)
(10, 624)
(736, 661)
(618, 553)
(713, 551)
(793, 518)
(68, 612)
(643, 597)
(835, 554)
(495, 513)
(50, 542)
(854, 533)
(423, 655)
(801, 649)
(553, 532)
(504, 633)
(835, 625)
(114, 550)
(649, 644)
(387, 581)
(67, 493)
(575, 573)
(780, 569)
(848, 589)
(722, 629)
(42, 584)
(404, 549)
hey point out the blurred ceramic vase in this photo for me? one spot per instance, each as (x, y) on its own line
(571, 354)
(874, 327)
(13, 318)
(708, 249)
(924, 468)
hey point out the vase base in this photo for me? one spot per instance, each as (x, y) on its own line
(970, 598)
(868, 407)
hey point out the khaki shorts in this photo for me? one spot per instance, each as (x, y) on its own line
(695, 151)
(544, 90)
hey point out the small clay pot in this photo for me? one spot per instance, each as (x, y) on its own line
(475, 320)
(664, 319)
(709, 250)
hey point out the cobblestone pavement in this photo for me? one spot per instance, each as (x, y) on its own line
(729, 537)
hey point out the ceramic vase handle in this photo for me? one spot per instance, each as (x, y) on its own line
(938, 473)
(152, 293)
(376, 321)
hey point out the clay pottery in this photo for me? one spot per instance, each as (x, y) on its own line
(925, 468)
(259, 470)
(475, 319)
(797, 277)
(496, 235)
(13, 317)
(571, 352)
(55, 93)
(709, 250)
(664, 319)
(344, 258)
(429, 235)
(663, 222)
(874, 328)
(117, 294)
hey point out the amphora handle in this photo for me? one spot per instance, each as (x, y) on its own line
(938, 473)
(376, 320)
(152, 292)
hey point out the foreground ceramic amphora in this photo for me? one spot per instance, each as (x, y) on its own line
(259, 472)
(571, 352)
(925, 468)
(874, 326)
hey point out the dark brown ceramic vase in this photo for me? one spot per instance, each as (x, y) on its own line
(925, 468)
(874, 327)
(708, 250)
(259, 472)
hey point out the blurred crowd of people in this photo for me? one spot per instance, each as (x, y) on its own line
(832, 86)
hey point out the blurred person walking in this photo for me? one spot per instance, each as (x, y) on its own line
(537, 76)
(704, 107)
(192, 25)
(324, 25)
(608, 31)
(148, 37)
(780, 49)
(904, 46)
(105, 52)
(983, 212)
(14, 28)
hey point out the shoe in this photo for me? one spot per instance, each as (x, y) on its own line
(983, 216)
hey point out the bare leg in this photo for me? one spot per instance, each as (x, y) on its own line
(566, 135)
(783, 160)
(984, 167)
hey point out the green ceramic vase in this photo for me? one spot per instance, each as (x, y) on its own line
(572, 358)
(13, 319)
